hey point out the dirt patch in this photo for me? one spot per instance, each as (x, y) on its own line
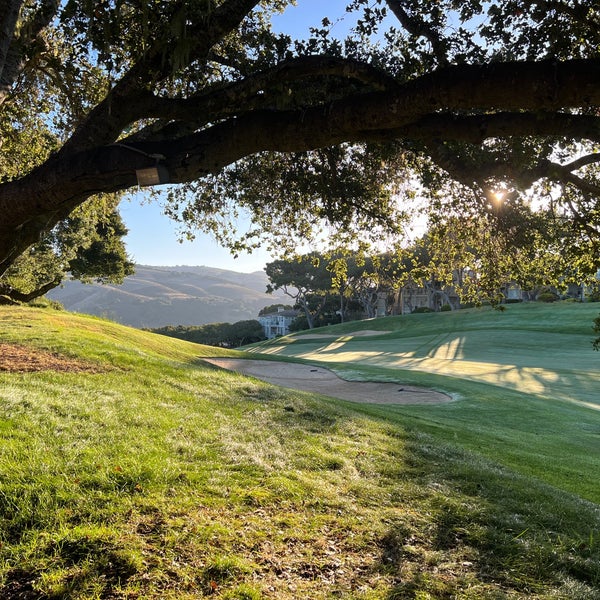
(311, 378)
(22, 359)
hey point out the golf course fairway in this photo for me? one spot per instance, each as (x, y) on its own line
(525, 380)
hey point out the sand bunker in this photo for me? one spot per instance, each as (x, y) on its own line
(317, 379)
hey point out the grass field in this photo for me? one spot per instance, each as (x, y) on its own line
(526, 380)
(131, 469)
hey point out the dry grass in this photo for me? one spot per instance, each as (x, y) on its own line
(21, 359)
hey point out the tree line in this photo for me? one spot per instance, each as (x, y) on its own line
(224, 335)
(329, 288)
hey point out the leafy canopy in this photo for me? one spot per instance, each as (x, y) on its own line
(324, 137)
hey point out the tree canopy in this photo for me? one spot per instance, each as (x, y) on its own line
(87, 246)
(458, 100)
(225, 335)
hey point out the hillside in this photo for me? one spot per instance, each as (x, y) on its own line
(132, 469)
(183, 295)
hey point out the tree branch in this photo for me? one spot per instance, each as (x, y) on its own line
(9, 14)
(128, 100)
(245, 95)
(475, 129)
(16, 296)
(582, 161)
(67, 178)
(468, 173)
(420, 28)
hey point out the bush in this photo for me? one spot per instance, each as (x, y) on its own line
(216, 334)
(445, 308)
(43, 302)
(421, 309)
(594, 295)
(547, 297)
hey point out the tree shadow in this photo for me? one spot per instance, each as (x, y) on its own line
(489, 533)
(84, 562)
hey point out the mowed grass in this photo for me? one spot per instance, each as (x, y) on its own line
(156, 476)
(526, 381)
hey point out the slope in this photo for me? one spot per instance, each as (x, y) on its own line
(145, 473)
(526, 381)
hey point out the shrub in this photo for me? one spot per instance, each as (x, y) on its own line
(445, 308)
(422, 309)
(547, 297)
(594, 295)
(43, 302)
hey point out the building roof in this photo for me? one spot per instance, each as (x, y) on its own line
(282, 313)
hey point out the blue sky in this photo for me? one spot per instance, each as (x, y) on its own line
(152, 238)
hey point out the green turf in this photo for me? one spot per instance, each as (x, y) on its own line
(526, 381)
(156, 476)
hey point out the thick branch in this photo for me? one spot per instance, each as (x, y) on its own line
(468, 173)
(459, 88)
(420, 28)
(9, 14)
(475, 129)
(562, 174)
(582, 161)
(14, 296)
(241, 97)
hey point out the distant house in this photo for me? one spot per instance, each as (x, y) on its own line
(584, 291)
(413, 296)
(277, 323)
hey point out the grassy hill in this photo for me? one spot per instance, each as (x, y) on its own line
(131, 469)
(183, 295)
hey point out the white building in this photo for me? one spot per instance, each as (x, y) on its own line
(277, 323)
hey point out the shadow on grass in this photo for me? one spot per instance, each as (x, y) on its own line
(464, 526)
(489, 533)
(82, 561)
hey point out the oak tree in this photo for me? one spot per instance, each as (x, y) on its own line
(306, 280)
(88, 246)
(455, 97)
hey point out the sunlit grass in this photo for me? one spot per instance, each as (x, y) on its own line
(161, 477)
(527, 382)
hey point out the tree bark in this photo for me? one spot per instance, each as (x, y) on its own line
(9, 14)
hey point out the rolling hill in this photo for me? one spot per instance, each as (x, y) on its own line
(132, 468)
(182, 295)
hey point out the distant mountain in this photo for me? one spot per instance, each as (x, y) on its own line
(159, 296)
